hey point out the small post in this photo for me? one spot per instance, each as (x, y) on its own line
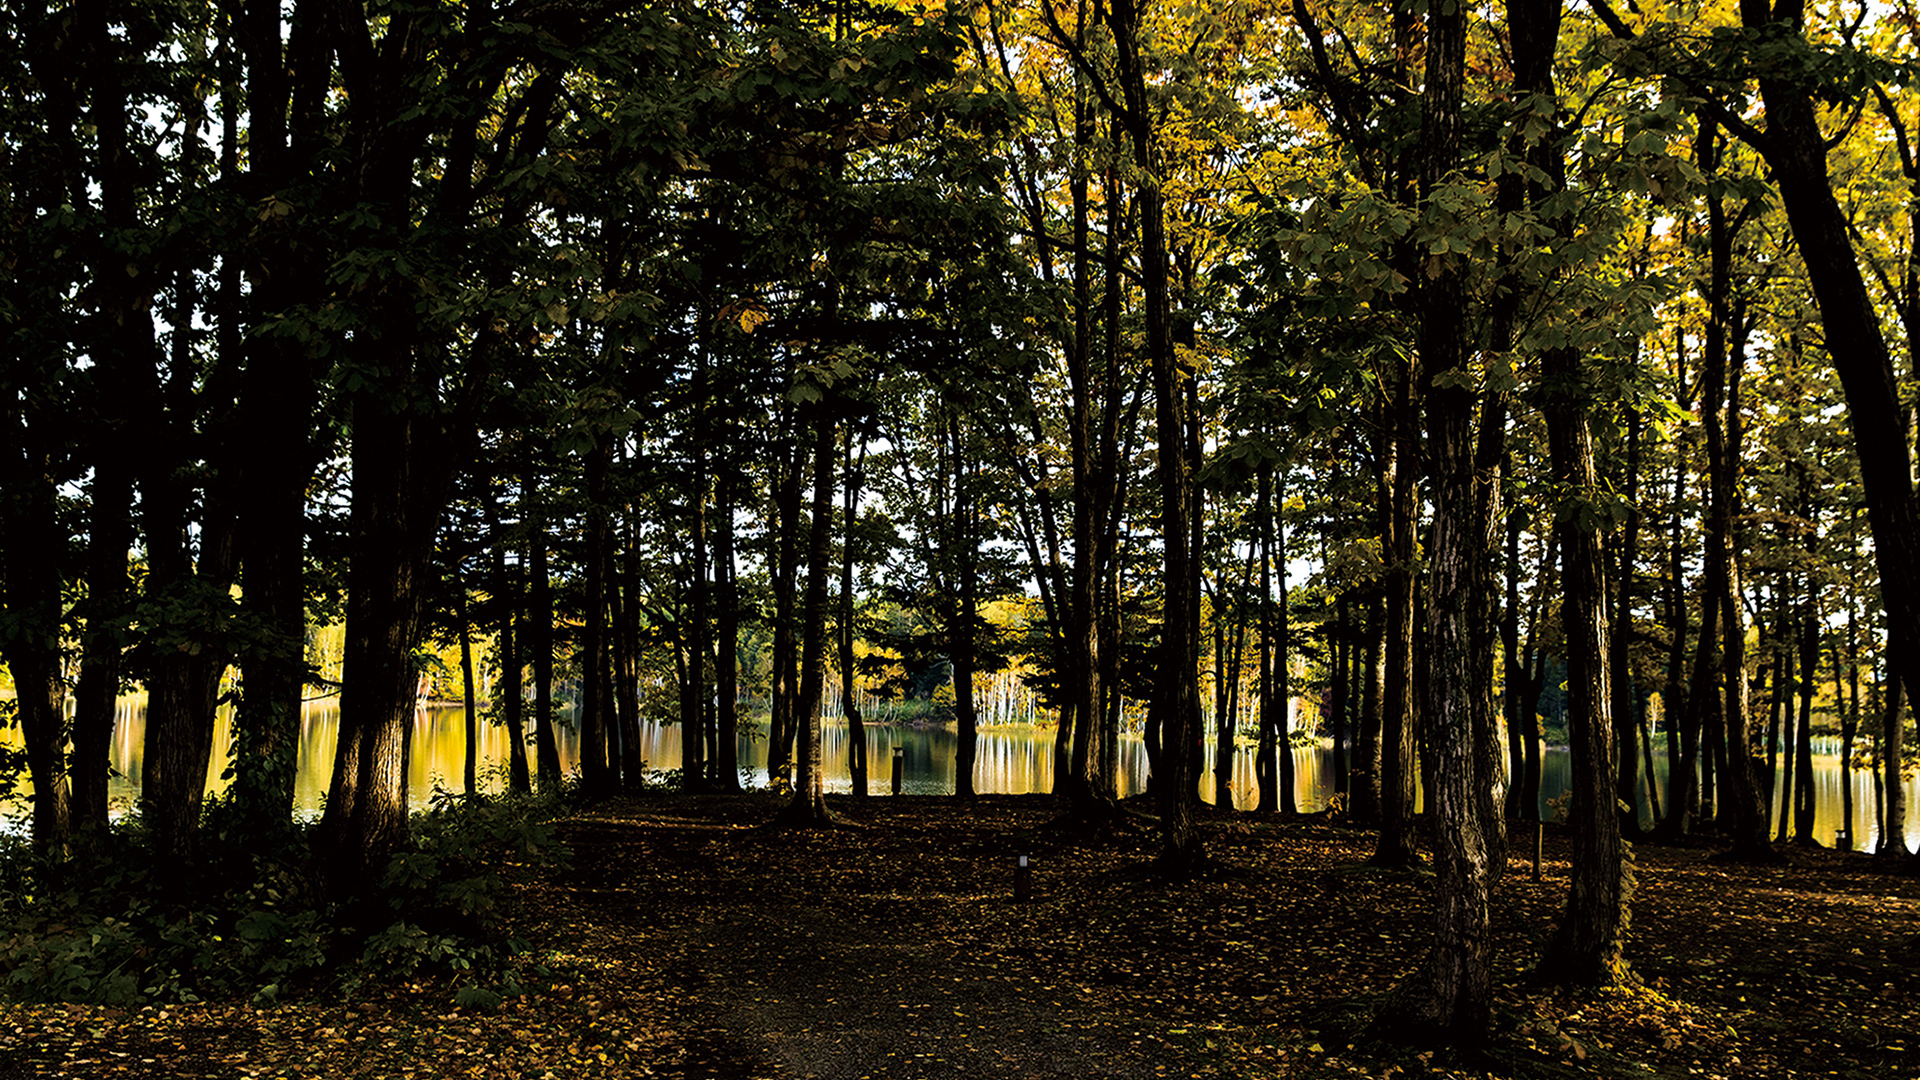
(1539, 841)
(899, 760)
(1022, 881)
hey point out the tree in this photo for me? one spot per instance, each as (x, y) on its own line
(1449, 998)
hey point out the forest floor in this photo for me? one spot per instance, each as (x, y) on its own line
(695, 938)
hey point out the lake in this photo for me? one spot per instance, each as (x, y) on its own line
(1011, 759)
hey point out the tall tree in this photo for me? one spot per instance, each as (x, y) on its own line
(1449, 997)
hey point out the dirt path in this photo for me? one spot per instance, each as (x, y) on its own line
(883, 949)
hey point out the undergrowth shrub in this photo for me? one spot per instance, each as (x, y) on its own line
(109, 926)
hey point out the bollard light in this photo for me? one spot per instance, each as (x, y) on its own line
(1022, 881)
(899, 762)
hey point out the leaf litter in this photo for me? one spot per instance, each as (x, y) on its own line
(693, 937)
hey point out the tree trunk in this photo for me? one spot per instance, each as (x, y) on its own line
(849, 686)
(1803, 792)
(1281, 724)
(964, 614)
(1449, 998)
(1749, 824)
(1175, 707)
(1514, 681)
(1780, 734)
(1893, 722)
(470, 764)
(397, 497)
(1368, 739)
(186, 650)
(1340, 715)
(626, 646)
(512, 704)
(1229, 640)
(597, 779)
(782, 712)
(1400, 716)
(1674, 703)
(29, 638)
(275, 450)
(540, 612)
(1588, 948)
(1625, 698)
(727, 659)
(1849, 729)
(95, 704)
(809, 806)
(1267, 753)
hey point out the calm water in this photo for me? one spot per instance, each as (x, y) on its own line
(1011, 759)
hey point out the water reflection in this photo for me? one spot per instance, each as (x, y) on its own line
(1010, 759)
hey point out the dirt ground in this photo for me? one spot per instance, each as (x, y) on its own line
(695, 938)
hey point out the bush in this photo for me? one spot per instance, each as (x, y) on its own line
(245, 921)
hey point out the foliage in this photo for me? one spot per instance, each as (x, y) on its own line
(114, 927)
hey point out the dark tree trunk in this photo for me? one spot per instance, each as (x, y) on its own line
(512, 705)
(186, 654)
(1626, 698)
(727, 659)
(781, 709)
(1893, 722)
(1340, 716)
(1674, 705)
(1749, 818)
(1803, 789)
(694, 693)
(398, 492)
(849, 685)
(1514, 682)
(1229, 641)
(1449, 998)
(1400, 714)
(1267, 753)
(1176, 705)
(1717, 653)
(597, 779)
(1088, 788)
(1282, 701)
(809, 805)
(29, 638)
(95, 697)
(1588, 947)
(964, 615)
(275, 453)
(1779, 733)
(470, 763)
(1849, 727)
(546, 748)
(1097, 428)
(626, 645)
(1368, 739)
